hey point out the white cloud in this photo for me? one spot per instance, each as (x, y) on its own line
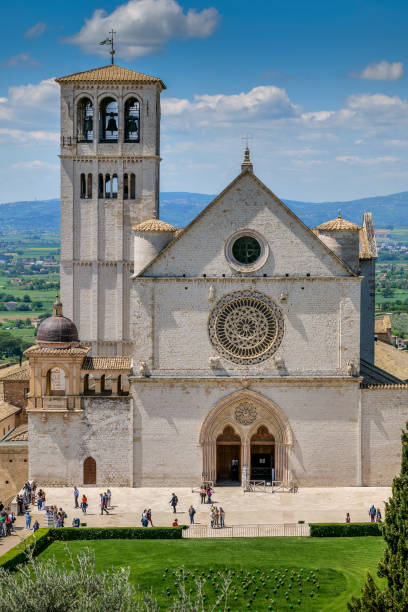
(43, 96)
(145, 26)
(34, 164)
(263, 102)
(37, 30)
(37, 136)
(366, 161)
(381, 71)
(21, 58)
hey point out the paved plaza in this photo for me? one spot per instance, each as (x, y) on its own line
(308, 504)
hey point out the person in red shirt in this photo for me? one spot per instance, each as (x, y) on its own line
(175, 523)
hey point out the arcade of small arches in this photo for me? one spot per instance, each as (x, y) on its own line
(108, 118)
(246, 437)
(108, 186)
(58, 382)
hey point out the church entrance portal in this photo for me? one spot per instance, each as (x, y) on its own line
(262, 455)
(228, 457)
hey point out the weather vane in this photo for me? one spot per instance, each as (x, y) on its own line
(109, 41)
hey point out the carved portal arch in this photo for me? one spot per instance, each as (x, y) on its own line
(246, 411)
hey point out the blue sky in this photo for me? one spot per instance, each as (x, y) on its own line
(320, 87)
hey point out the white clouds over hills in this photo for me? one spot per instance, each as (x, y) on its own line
(145, 27)
(381, 71)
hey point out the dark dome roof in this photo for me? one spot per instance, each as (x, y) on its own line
(57, 329)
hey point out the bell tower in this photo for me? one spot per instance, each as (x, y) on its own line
(110, 158)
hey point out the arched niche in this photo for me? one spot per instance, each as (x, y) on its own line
(109, 120)
(85, 118)
(132, 120)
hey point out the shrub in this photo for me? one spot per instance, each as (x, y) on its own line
(44, 537)
(344, 530)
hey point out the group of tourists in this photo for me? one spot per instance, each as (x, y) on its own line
(375, 514)
(217, 517)
(58, 516)
(146, 518)
(7, 521)
(205, 492)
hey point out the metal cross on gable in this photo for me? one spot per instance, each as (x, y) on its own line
(246, 138)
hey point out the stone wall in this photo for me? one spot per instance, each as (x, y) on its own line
(384, 414)
(15, 392)
(60, 444)
(13, 468)
(7, 425)
(322, 415)
(321, 318)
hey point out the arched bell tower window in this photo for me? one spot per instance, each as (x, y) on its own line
(125, 187)
(109, 120)
(85, 120)
(132, 120)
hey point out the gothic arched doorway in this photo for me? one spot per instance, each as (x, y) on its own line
(89, 471)
(228, 456)
(262, 455)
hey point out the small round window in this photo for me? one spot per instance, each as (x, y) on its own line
(246, 250)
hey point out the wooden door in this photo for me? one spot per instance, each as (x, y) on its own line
(89, 471)
(228, 462)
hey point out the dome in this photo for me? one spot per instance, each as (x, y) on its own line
(57, 329)
(338, 225)
(154, 225)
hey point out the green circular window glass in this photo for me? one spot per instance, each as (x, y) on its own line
(246, 250)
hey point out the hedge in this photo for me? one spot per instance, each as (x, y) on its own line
(344, 530)
(43, 537)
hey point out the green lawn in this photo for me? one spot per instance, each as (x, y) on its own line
(331, 568)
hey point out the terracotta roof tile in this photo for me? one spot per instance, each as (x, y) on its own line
(153, 225)
(82, 349)
(339, 225)
(110, 73)
(19, 434)
(7, 410)
(107, 363)
(391, 359)
(16, 372)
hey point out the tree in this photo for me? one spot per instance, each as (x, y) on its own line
(394, 565)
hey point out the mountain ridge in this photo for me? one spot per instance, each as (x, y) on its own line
(179, 208)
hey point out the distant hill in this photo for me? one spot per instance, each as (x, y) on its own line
(179, 208)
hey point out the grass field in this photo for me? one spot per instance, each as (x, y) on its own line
(262, 570)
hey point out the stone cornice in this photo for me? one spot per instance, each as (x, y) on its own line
(120, 157)
(247, 382)
(246, 279)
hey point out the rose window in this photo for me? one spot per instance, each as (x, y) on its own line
(246, 327)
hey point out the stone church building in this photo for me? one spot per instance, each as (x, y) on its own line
(238, 348)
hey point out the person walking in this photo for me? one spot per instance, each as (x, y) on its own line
(76, 495)
(222, 517)
(173, 502)
(149, 516)
(372, 512)
(28, 519)
(209, 494)
(103, 504)
(84, 503)
(191, 513)
(378, 516)
(109, 494)
(348, 519)
(144, 520)
(203, 494)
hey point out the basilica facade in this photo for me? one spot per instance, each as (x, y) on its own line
(238, 348)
